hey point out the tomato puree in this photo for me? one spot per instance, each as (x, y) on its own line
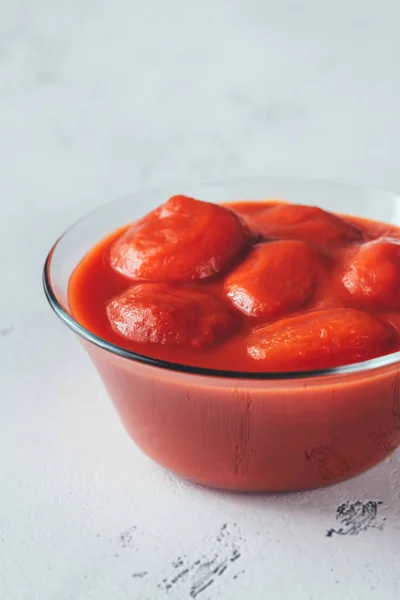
(247, 286)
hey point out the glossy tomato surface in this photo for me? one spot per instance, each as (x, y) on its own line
(251, 287)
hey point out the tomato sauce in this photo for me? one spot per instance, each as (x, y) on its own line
(252, 286)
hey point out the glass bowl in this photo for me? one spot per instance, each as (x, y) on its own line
(240, 430)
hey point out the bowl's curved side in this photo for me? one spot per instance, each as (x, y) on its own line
(252, 437)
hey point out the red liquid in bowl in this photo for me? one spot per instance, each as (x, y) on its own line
(282, 288)
(299, 294)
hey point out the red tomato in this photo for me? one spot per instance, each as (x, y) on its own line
(158, 313)
(308, 223)
(274, 278)
(182, 240)
(372, 276)
(320, 339)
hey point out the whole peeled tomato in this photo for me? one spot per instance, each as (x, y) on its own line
(308, 223)
(157, 313)
(182, 240)
(320, 339)
(372, 274)
(276, 277)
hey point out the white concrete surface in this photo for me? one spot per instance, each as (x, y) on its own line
(97, 99)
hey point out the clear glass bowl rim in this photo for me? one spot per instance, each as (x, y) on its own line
(51, 296)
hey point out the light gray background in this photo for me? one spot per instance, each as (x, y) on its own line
(96, 100)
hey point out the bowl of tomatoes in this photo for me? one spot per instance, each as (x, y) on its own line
(247, 332)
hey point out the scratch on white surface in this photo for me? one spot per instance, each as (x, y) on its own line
(190, 576)
(356, 517)
(139, 575)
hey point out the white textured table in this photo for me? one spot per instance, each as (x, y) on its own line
(96, 100)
